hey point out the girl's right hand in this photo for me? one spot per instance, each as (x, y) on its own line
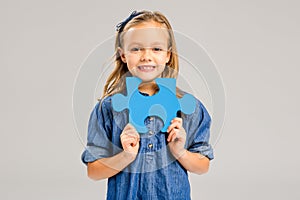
(130, 139)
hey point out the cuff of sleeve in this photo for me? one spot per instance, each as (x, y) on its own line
(206, 151)
(93, 153)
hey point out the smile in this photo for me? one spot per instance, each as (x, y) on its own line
(146, 68)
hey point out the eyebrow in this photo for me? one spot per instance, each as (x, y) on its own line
(153, 43)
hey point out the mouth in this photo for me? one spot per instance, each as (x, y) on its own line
(146, 68)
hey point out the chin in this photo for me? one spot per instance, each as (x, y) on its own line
(147, 79)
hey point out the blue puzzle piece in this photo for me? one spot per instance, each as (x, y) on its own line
(163, 104)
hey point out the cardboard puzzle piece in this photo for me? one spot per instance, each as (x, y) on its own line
(163, 104)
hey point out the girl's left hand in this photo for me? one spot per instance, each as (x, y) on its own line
(176, 137)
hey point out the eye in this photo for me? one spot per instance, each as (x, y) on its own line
(135, 49)
(157, 49)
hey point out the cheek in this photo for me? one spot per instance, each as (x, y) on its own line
(162, 60)
(130, 62)
(130, 65)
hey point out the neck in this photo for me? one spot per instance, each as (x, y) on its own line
(150, 88)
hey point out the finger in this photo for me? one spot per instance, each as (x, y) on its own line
(132, 134)
(172, 135)
(173, 138)
(175, 124)
(135, 142)
(177, 119)
(129, 142)
(128, 127)
(129, 136)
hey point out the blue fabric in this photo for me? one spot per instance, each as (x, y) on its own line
(155, 173)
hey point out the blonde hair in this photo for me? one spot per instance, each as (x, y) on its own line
(116, 81)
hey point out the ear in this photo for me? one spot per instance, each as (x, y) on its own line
(168, 56)
(122, 55)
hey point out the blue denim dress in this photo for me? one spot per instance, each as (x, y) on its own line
(155, 174)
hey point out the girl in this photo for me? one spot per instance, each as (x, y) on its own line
(152, 165)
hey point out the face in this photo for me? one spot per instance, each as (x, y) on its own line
(145, 50)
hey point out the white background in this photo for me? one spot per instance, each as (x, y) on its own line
(255, 45)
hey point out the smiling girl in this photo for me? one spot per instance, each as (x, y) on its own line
(152, 165)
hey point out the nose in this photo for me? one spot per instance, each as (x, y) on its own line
(146, 55)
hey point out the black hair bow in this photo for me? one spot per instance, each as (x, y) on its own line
(120, 26)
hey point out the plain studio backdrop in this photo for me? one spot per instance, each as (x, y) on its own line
(254, 44)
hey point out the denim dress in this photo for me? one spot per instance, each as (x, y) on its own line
(155, 174)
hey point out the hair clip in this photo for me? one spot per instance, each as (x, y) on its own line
(120, 26)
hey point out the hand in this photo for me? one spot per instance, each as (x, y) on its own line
(176, 137)
(130, 140)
